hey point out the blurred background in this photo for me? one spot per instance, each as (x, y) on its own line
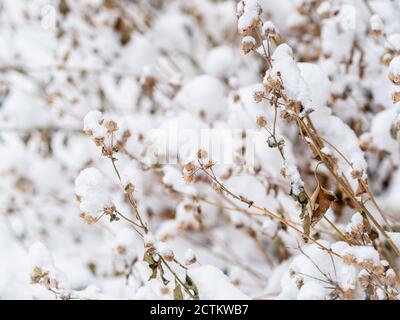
(176, 64)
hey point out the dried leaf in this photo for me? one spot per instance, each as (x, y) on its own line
(360, 189)
(306, 226)
(153, 265)
(373, 234)
(153, 273)
(320, 202)
(300, 197)
(164, 280)
(314, 197)
(191, 286)
(178, 295)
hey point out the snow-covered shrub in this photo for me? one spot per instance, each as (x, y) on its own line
(199, 149)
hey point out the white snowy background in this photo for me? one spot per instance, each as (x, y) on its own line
(168, 71)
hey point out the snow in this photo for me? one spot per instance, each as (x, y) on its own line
(177, 138)
(221, 62)
(376, 23)
(190, 256)
(164, 249)
(394, 70)
(325, 150)
(307, 275)
(381, 294)
(11, 288)
(186, 215)
(248, 43)
(347, 278)
(91, 188)
(380, 132)
(312, 291)
(395, 236)
(214, 285)
(250, 14)
(149, 240)
(324, 8)
(285, 68)
(393, 41)
(295, 180)
(362, 254)
(173, 177)
(316, 77)
(390, 274)
(356, 222)
(147, 84)
(329, 126)
(39, 255)
(203, 94)
(92, 123)
(269, 28)
(270, 228)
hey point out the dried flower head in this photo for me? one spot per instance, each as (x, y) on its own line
(248, 44)
(261, 121)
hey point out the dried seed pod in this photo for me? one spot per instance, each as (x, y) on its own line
(248, 44)
(261, 121)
